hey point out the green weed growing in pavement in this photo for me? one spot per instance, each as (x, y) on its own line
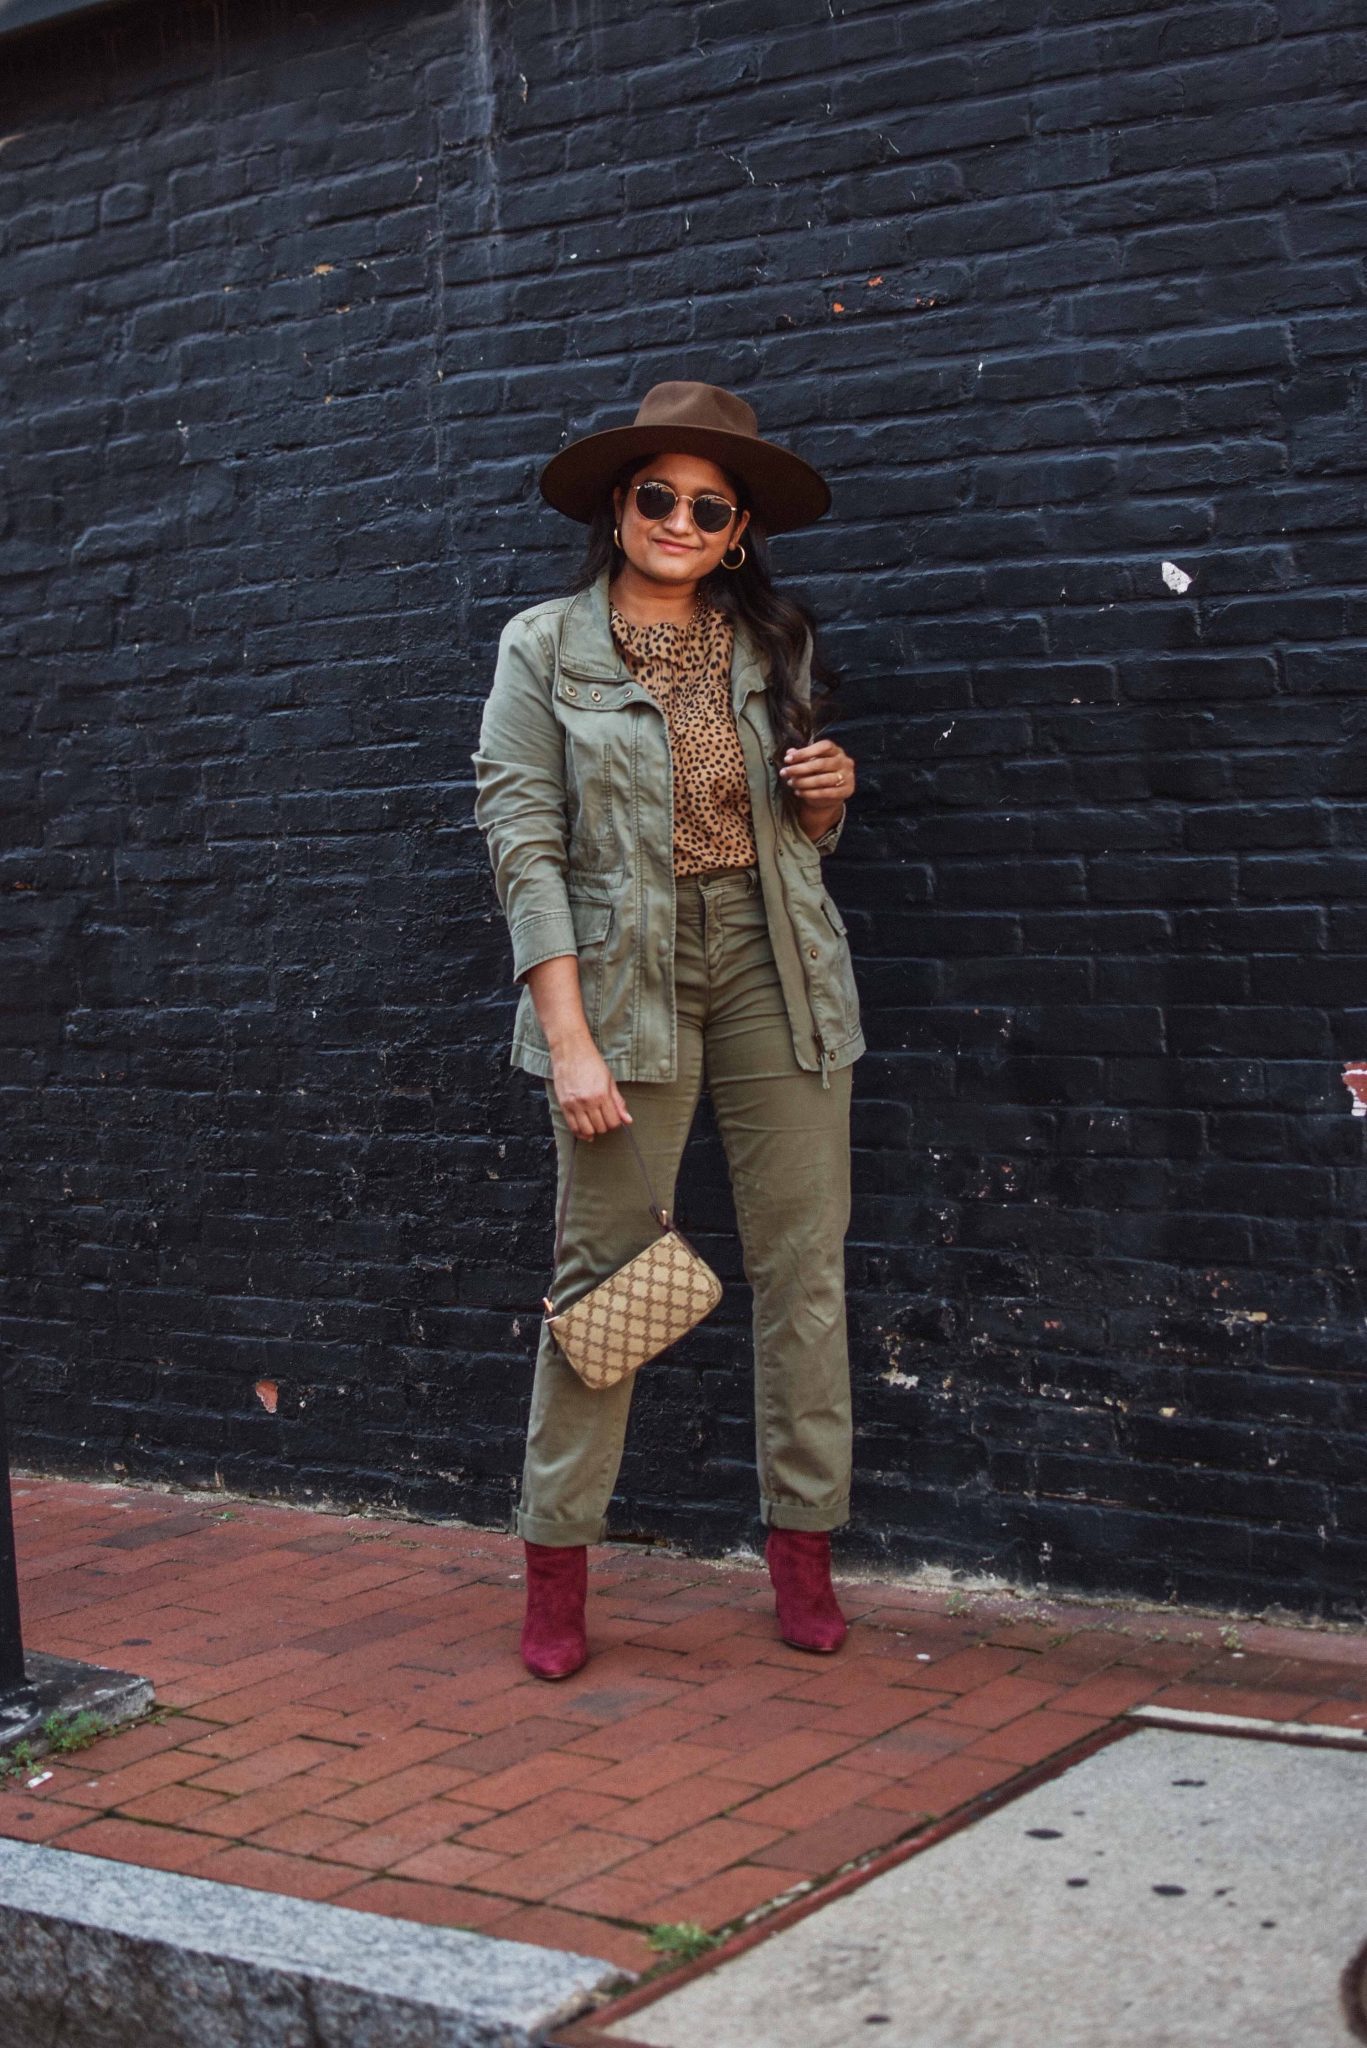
(1231, 1638)
(681, 1940)
(20, 1760)
(61, 1732)
(957, 1602)
(74, 1733)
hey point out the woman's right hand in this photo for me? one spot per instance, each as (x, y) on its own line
(589, 1098)
(583, 1083)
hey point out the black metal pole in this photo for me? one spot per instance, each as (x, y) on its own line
(11, 1641)
(35, 1691)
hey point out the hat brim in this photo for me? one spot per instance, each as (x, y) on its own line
(784, 490)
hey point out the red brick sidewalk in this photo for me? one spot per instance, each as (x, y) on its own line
(343, 1715)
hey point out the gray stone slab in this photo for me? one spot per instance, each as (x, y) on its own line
(61, 1685)
(1174, 1890)
(99, 1954)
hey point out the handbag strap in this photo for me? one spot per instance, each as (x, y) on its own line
(661, 1216)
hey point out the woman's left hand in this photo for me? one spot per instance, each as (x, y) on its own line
(821, 776)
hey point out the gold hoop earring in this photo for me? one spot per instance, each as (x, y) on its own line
(617, 538)
(734, 565)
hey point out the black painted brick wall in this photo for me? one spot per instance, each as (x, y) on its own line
(296, 303)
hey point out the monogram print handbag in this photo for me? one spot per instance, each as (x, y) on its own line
(647, 1304)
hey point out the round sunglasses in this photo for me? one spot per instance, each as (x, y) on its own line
(711, 513)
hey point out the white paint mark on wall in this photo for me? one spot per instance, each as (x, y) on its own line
(1175, 578)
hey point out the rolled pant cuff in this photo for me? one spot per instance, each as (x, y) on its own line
(796, 1514)
(533, 1529)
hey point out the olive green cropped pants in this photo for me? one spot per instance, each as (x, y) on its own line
(787, 1143)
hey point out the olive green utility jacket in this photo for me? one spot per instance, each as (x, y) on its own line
(575, 799)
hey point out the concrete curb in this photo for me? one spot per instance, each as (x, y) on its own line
(99, 1954)
(65, 1686)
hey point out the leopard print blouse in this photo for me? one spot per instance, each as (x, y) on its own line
(688, 668)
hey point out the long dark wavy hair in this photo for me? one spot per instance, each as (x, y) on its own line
(778, 624)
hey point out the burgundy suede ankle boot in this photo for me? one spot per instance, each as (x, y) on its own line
(554, 1639)
(799, 1562)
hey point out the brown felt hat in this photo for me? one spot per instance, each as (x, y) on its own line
(690, 419)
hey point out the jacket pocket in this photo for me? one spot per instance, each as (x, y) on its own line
(844, 985)
(595, 846)
(592, 916)
(833, 917)
(597, 733)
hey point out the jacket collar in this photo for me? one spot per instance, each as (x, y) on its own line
(588, 649)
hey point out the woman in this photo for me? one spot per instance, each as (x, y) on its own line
(656, 809)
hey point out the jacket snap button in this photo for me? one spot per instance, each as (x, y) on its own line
(570, 690)
(830, 1055)
(812, 950)
(597, 696)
